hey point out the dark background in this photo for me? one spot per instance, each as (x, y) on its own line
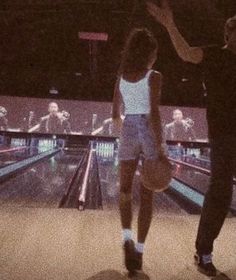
(40, 48)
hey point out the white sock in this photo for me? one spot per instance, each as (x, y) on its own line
(127, 234)
(207, 258)
(139, 247)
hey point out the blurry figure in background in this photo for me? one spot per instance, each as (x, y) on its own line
(55, 122)
(180, 129)
(65, 115)
(108, 128)
(32, 119)
(3, 119)
(94, 121)
(29, 121)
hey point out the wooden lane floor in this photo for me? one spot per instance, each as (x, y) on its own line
(64, 244)
(42, 184)
(109, 179)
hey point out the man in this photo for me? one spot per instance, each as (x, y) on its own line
(3, 119)
(29, 121)
(219, 65)
(179, 129)
(55, 122)
(3, 123)
(108, 128)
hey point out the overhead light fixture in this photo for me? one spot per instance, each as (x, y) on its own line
(53, 90)
(93, 36)
(78, 74)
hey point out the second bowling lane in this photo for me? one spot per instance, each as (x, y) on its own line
(13, 156)
(196, 179)
(41, 185)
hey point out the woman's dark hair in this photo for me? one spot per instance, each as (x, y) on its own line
(138, 48)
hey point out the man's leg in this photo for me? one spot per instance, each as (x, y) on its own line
(217, 199)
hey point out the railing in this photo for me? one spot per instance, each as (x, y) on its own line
(72, 181)
(13, 149)
(82, 196)
(192, 192)
(9, 170)
(197, 168)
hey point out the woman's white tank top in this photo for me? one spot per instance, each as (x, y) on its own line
(136, 96)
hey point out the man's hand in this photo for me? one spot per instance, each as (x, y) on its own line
(161, 14)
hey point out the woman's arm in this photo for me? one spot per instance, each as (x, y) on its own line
(116, 112)
(155, 96)
(116, 115)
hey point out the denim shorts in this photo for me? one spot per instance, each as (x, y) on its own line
(137, 138)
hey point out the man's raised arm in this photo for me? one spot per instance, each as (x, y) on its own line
(164, 16)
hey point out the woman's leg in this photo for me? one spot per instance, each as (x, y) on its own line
(149, 148)
(127, 171)
(145, 213)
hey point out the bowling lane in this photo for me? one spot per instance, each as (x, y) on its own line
(41, 185)
(11, 156)
(109, 179)
(196, 179)
(163, 203)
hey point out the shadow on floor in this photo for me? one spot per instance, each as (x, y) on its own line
(221, 276)
(115, 275)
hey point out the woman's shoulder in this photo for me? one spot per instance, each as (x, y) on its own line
(155, 73)
(134, 77)
(155, 76)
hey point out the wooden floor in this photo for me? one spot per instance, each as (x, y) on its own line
(58, 244)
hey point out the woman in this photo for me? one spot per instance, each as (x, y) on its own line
(138, 87)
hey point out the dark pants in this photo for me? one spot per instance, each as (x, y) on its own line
(219, 196)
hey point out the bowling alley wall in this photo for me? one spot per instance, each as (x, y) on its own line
(94, 118)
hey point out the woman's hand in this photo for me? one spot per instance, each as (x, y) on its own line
(162, 14)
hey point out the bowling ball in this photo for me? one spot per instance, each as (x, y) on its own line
(156, 174)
